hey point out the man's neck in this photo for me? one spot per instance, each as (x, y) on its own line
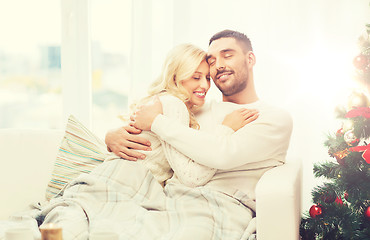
(241, 98)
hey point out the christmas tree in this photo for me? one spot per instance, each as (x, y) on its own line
(341, 207)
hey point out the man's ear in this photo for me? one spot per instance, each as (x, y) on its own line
(251, 58)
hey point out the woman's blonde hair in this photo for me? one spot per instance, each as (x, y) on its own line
(180, 64)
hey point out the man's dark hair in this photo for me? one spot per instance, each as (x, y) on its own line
(240, 37)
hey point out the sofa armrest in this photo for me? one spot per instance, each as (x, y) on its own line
(278, 202)
(27, 157)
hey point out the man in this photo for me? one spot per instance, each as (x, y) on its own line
(241, 158)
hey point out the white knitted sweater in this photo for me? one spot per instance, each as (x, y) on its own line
(164, 161)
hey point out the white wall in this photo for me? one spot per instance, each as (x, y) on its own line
(304, 55)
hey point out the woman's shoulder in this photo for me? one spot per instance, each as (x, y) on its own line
(167, 97)
(171, 103)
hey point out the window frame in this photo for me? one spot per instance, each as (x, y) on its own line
(76, 60)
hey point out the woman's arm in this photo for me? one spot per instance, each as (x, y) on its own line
(186, 170)
(239, 118)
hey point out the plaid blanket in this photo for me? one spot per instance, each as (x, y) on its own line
(123, 197)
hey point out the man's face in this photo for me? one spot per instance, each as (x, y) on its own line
(228, 65)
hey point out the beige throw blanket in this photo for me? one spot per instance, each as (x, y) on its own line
(123, 197)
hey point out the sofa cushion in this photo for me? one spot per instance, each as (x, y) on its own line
(80, 151)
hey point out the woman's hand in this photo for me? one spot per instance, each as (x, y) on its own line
(124, 142)
(145, 114)
(239, 118)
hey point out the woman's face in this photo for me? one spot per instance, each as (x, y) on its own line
(198, 85)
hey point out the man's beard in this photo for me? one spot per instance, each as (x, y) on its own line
(235, 88)
(238, 84)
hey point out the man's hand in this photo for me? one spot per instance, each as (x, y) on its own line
(144, 116)
(124, 142)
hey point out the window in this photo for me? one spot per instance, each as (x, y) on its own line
(110, 53)
(30, 65)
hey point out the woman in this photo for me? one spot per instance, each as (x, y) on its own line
(118, 190)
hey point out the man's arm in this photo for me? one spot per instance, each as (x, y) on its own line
(263, 139)
(122, 141)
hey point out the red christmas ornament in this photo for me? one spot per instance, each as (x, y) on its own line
(315, 210)
(360, 62)
(339, 201)
(367, 213)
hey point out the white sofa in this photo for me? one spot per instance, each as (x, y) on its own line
(27, 158)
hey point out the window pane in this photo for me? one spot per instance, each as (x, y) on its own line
(111, 46)
(30, 74)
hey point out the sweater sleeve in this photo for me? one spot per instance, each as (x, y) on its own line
(263, 139)
(186, 170)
